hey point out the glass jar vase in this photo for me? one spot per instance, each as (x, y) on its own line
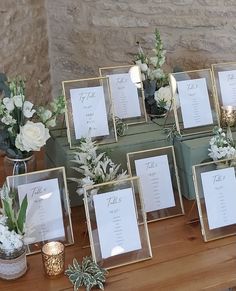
(13, 266)
(16, 166)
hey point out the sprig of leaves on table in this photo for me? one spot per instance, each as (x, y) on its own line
(88, 274)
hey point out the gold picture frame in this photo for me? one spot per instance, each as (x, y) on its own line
(113, 241)
(48, 215)
(89, 111)
(195, 107)
(224, 76)
(123, 79)
(163, 200)
(213, 198)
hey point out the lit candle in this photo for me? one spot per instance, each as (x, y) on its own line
(53, 255)
(228, 115)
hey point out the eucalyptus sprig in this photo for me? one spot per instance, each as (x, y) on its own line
(88, 274)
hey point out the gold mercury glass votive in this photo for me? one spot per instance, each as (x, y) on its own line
(228, 115)
(53, 255)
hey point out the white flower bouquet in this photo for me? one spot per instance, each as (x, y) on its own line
(222, 145)
(12, 224)
(26, 127)
(94, 168)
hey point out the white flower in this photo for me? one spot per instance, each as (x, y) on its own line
(9, 104)
(143, 67)
(45, 115)
(221, 146)
(164, 93)
(153, 61)
(32, 136)
(157, 74)
(8, 120)
(27, 109)
(18, 100)
(9, 240)
(51, 123)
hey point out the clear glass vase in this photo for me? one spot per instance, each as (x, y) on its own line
(16, 166)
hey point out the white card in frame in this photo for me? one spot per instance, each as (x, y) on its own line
(48, 212)
(159, 180)
(117, 223)
(127, 92)
(216, 198)
(198, 111)
(225, 83)
(89, 111)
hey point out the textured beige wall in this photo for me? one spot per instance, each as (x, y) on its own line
(87, 34)
(24, 43)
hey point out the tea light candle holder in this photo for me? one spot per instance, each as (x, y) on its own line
(53, 255)
(228, 115)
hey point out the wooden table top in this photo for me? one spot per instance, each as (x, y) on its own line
(181, 261)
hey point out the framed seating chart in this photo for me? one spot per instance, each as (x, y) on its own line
(48, 214)
(215, 187)
(89, 111)
(109, 206)
(127, 92)
(225, 83)
(159, 179)
(195, 107)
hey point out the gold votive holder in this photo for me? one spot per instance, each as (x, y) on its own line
(53, 255)
(228, 115)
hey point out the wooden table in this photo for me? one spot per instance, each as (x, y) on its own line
(181, 261)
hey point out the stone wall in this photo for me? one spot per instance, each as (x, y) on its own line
(85, 35)
(24, 43)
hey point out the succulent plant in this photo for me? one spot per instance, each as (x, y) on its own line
(88, 274)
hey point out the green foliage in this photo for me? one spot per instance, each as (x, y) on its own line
(88, 274)
(162, 103)
(15, 219)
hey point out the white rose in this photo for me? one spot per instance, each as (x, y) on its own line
(9, 104)
(18, 100)
(165, 93)
(32, 136)
(27, 109)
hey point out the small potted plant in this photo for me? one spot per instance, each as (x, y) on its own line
(12, 248)
(88, 274)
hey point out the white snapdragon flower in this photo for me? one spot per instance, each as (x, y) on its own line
(18, 100)
(27, 109)
(157, 74)
(45, 115)
(143, 66)
(9, 104)
(32, 136)
(51, 123)
(8, 120)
